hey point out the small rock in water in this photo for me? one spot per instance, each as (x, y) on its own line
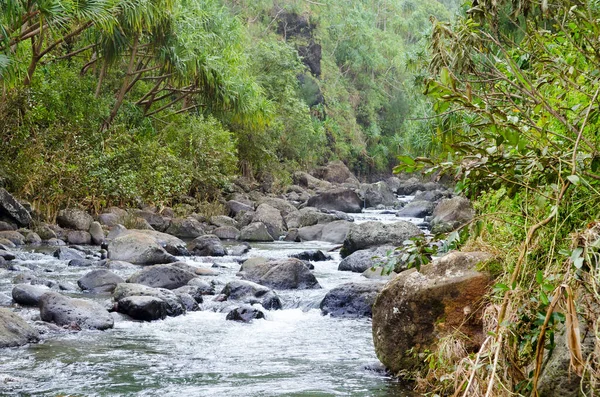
(145, 308)
(314, 256)
(65, 254)
(244, 314)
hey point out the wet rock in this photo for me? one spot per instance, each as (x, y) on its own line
(251, 293)
(162, 276)
(186, 228)
(82, 262)
(205, 287)
(66, 254)
(144, 308)
(416, 309)
(119, 265)
(280, 274)
(244, 314)
(62, 310)
(188, 301)
(227, 233)
(28, 295)
(13, 236)
(207, 245)
(335, 232)
(99, 281)
(238, 250)
(174, 305)
(311, 233)
(378, 194)
(33, 239)
(156, 221)
(351, 300)
(312, 255)
(138, 248)
(361, 260)
(450, 214)
(292, 235)
(73, 218)
(416, 209)
(256, 231)
(343, 200)
(9, 256)
(372, 234)
(271, 218)
(79, 237)
(13, 209)
(15, 331)
(193, 291)
(96, 233)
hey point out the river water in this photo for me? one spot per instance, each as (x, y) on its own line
(293, 352)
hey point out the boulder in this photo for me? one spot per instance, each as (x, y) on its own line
(99, 280)
(450, 214)
(311, 233)
(138, 248)
(361, 260)
(378, 194)
(28, 295)
(351, 300)
(174, 305)
(7, 226)
(79, 237)
(62, 310)
(410, 186)
(238, 250)
(205, 287)
(13, 210)
(109, 219)
(312, 255)
(227, 233)
(196, 292)
(45, 232)
(416, 309)
(244, 314)
(144, 308)
(222, 220)
(373, 234)
(251, 293)
(306, 180)
(283, 206)
(256, 231)
(335, 172)
(186, 228)
(393, 183)
(207, 245)
(82, 262)
(416, 209)
(235, 207)
(5, 244)
(335, 232)
(13, 236)
(188, 301)
(73, 218)
(156, 221)
(67, 254)
(173, 245)
(379, 273)
(33, 239)
(344, 200)
(162, 276)
(15, 331)
(431, 195)
(271, 218)
(309, 216)
(9, 256)
(97, 233)
(280, 274)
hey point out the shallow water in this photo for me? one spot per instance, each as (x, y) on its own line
(293, 352)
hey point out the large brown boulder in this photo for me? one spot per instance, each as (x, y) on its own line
(416, 309)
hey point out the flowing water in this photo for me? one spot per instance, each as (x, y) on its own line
(293, 352)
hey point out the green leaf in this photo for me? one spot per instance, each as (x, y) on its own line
(574, 179)
(544, 298)
(539, 277)
(406, 160)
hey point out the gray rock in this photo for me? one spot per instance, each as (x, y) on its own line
(14, 331)
(162, 276)
(238, 250)
(207, 245)
(82, 262)
(97, 233)
(227, 233)
(109, 219)
(351, 300)
(378, 194)
(45, 232)
(431, 195)
(416, 209)
(67, 254)
(174, 305)
(62, 310)
(311, 233)
(306, 180)
(79, 237)
(222, 221)
(9, 256)
(73, 218)
(33, 239)
(138, 248)
(156, 221)
(11, 207)
(99, 280)
(410, 186)
(186, 228)
(335, 232)
(283, 206)
(335, 171)
(344, 200)
(361, 260)
(271, 218)
(206, 287)
(235, 207)
(13, 236)
(379, 273)
(244, 314)
(196, 292)
(188, 301)
(7, 226)
(451, 213)
(373, 234)
(256, 231)
(54, 242)
(312, 255)
(393, 183)
(144, 308)
(28, 295)
(281, 274)
(251, 293)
